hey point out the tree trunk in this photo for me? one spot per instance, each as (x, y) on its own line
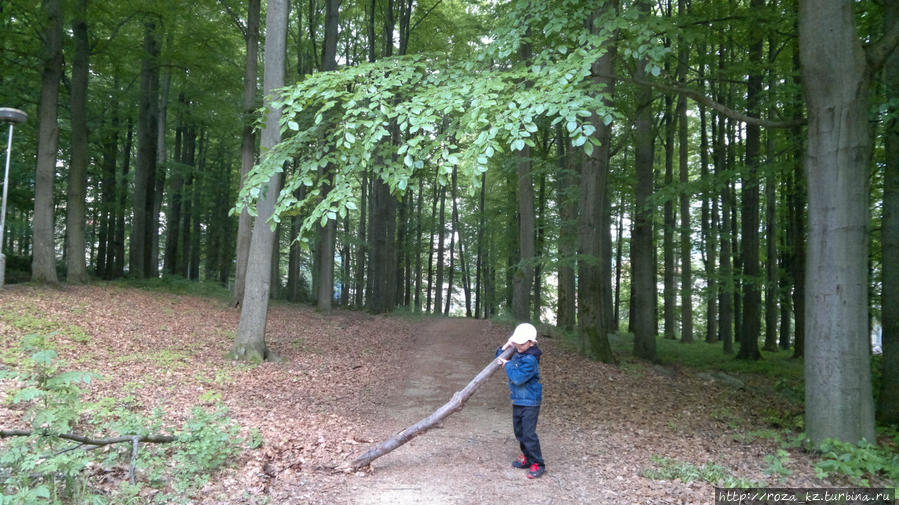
(441, 234)
(643, 290)
(838, 396)
(418, 244)
(161, 163)
(121, 206)
(482, 224)
(76, 269)
(669, 294)
(452, 255)
(888, 402)
(43, 265)
(770, 226)
(328, 233)
(250, 341)
(247, 143)
(725, 271)
(686, 249)
(594, 273)
(145, 164)
(423, 426)
(566, 308)
(431, 249)
(709, 223)
(751, 306)
(523, 275)
(106, 248)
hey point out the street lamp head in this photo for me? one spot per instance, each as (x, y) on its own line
(10, 115)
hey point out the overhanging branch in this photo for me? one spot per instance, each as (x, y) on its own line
(700, 97)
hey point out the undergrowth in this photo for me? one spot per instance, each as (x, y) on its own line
(43, 468)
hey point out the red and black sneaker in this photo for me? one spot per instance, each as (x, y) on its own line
(536, 471)
(521, 462)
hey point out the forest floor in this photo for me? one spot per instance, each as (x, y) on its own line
(349, 379)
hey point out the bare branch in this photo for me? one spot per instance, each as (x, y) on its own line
(150, 439)
(700, 97)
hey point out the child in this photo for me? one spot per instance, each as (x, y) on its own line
(526, 392)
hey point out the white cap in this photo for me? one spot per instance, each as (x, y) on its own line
(523, 333)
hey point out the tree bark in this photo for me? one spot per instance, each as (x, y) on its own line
(76, 268)
(43, 265)
(250, 341)
(423, 426)
(838, 396)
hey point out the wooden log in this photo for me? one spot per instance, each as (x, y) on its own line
(430, 422)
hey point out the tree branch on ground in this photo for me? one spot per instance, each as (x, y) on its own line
(432, 421)
(135, 441)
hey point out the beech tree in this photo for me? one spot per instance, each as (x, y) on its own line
(838, 396)
(43, 266)
(250, 341)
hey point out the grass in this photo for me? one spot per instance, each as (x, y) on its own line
(178, 286)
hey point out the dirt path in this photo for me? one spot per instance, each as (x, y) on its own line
(469, 460)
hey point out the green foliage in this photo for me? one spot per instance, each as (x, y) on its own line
(858, 463)
(44, 468)
(777, 464)
(712, 473)
(178, 286)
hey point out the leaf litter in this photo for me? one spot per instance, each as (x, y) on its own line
(337, 387)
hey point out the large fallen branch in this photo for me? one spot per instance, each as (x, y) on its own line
(454, 405)
(134, 440)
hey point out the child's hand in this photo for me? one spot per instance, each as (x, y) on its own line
(501, 362)
(507, 345)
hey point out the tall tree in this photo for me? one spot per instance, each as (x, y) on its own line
(594, 269)
(250, 341)
(643, 290)
(523, 276)
(686, 249)
(76, 267)
(328, 235)
(43, 265)
(247, 141)
(888, 402)
(838, 395)
(145, 163)
(751, 302)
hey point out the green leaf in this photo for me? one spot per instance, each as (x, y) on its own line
(293, 125)
(588, 148)
(28, 394)
(517, 145)
(66, 378)
(349, 137)
(571, 126)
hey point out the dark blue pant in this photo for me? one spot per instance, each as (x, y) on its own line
(524, 422)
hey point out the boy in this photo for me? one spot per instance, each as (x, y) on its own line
(526, 393)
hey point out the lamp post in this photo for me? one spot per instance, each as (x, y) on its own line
(11, 116)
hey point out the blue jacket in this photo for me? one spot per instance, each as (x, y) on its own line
(523, 371)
